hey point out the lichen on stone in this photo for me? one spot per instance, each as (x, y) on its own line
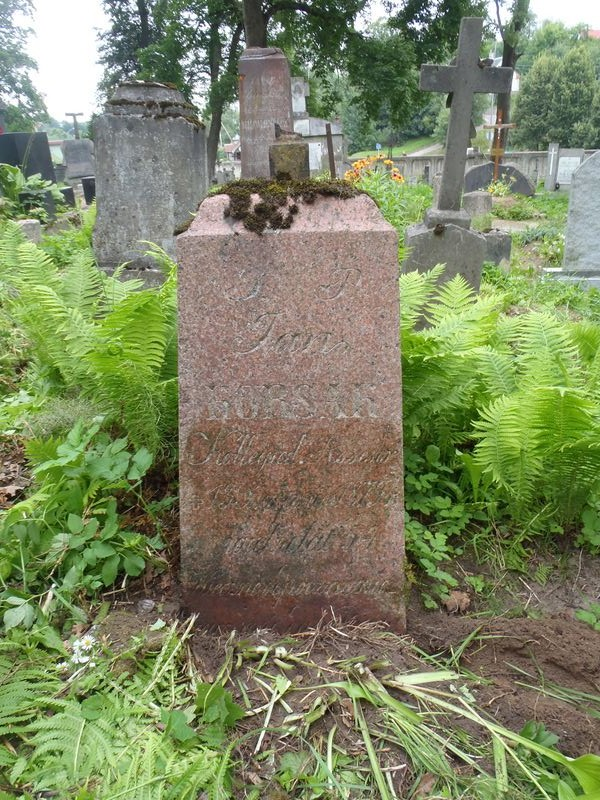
(278, 204)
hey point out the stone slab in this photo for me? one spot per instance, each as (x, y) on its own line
(481, 176)
(290, 418)
(462, 251)
(30, 152)
(499, 246)
(31, 228)
(569, 160)
(582, 252)
(79, 157)
(477, 204)
(265, 99)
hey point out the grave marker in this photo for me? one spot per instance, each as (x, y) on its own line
(582, 255)
(445, 236)
(290, 417)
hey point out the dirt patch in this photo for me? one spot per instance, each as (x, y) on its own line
(547, 670)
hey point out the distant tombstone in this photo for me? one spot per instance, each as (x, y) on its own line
(151, 173)
(79, 158)
(568, 161)
(582, 254)
(477, 204)
(88, 184)
(444, 237)
(481, 176)
(552, 167)
(30, 152)
(265, 99)
(290, 417)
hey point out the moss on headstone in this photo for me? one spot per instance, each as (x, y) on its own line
(277, 205)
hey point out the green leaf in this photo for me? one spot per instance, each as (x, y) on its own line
(141, 463)
(176, 725)
(23, 614)
(215, 703)
(74, 523)
(133, 564)
(110, 569)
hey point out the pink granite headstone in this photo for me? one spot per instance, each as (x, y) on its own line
(265, 99)
(290, 417)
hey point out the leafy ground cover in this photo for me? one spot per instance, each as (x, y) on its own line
(107, 694)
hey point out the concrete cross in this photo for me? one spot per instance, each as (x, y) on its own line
(464, 79)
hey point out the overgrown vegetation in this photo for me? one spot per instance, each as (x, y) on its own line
(502, 421)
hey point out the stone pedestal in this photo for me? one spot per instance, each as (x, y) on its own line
(463, 251)
(151, 172)
(290, 418)
(265, 99)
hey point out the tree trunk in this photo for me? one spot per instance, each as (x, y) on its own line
(144, 23)
(212, 142)
(255, 24)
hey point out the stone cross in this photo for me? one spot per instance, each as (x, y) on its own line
(75, 123)
(464, 79)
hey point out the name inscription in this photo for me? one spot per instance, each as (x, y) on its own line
(265, 333)
(281, 401)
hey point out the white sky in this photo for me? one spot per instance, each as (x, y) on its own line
(65, 47)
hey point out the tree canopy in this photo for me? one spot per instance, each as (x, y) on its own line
(17, 92)
(559, 101)
(196, 45)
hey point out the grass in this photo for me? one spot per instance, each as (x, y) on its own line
(401, 150)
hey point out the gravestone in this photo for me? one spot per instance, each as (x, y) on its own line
(477, 204)
(151, 173)
(444, 237)
(582, 253)
(290, 417)
(481, 176)
(79, 158)
(265, 99)
(30, 152)
(552, 167)
(568, 161)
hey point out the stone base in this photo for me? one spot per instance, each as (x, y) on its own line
(289, 613)
(31, 229)
(462, 251)
(477, 204)
(499, 246)
(587, 280)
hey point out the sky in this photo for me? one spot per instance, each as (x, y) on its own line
(65, 47)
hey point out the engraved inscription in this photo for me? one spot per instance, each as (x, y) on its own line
(236, 447)
(367, 494)
(253, 287)
(279, 539)
(265, 333)
(340, 279)
(294, 401)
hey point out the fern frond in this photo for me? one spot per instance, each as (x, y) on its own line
(451, 298)
(509, 447)
(82, 284)
(547, 355)
(416, 289)
(497, 372)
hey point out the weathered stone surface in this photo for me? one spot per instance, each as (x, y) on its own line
(265, 99)
(462, 251)
(477, 204)
(552, 167)
(79, 158)
(582, 252)
(150, 173)
(31, 228)
(289, 159)
(290, 417)
(481, 176)
(499, 246)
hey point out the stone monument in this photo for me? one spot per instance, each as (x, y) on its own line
(265, 99)
(582, 252)
(78, 156)
(151, 173)
(290, 416)
(445, 235)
